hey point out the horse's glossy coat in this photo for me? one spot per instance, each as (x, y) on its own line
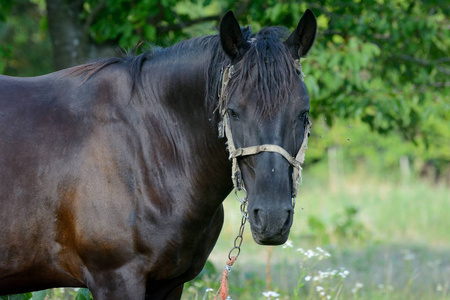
(112, 175)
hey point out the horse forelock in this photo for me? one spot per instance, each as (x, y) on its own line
(266, 70)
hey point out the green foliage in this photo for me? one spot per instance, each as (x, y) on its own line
(26, 296)
(348, 227)
(5, 7)
(40, 295)
(159, 22)
(25, 47)
(363, 66)
(383, 62)
(318, 230)
(5, 54)
(61, 294)
(342, 228)
(83, 294)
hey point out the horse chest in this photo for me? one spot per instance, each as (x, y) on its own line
(179, 249)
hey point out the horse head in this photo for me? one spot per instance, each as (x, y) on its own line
(265, 105)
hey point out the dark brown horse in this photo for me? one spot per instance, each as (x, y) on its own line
(112, 175)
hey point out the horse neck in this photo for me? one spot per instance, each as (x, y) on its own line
(176, 99)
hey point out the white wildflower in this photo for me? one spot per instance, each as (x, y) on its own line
(209, 290)
(323, 274)
(358, 285)
(408, 255)
(270, 294)
(319, 288)
(288, 244)
(323, 252)
(344, 273)
(308, 278)
(310, 253)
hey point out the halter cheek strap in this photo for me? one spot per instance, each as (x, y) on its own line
(225, 131)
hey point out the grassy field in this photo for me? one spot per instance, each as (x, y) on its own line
(386, 239)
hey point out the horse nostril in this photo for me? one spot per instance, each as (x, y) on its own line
(288, 222)
(256, 221)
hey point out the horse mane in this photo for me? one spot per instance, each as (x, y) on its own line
(128, 57)
(266, 68)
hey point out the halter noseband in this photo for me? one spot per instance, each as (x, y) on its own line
(225, 131)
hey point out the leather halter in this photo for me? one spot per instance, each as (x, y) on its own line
(225, 131)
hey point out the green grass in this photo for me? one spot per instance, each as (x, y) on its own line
(391, 235)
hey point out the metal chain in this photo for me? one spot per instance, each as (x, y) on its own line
(238, 240)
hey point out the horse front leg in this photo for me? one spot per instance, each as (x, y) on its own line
(164, 292)
(176, 293)
(121, 284)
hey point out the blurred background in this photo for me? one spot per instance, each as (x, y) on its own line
(374, 206)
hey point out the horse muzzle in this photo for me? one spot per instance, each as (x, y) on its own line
(270, 225)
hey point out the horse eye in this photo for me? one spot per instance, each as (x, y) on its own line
(233, 114)
(304, 115)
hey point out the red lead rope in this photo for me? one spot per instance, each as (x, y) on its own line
(223, 289)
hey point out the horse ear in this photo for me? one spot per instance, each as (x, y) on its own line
(231, 38)
(302, 38)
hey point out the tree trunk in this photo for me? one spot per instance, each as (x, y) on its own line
(69, 39)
